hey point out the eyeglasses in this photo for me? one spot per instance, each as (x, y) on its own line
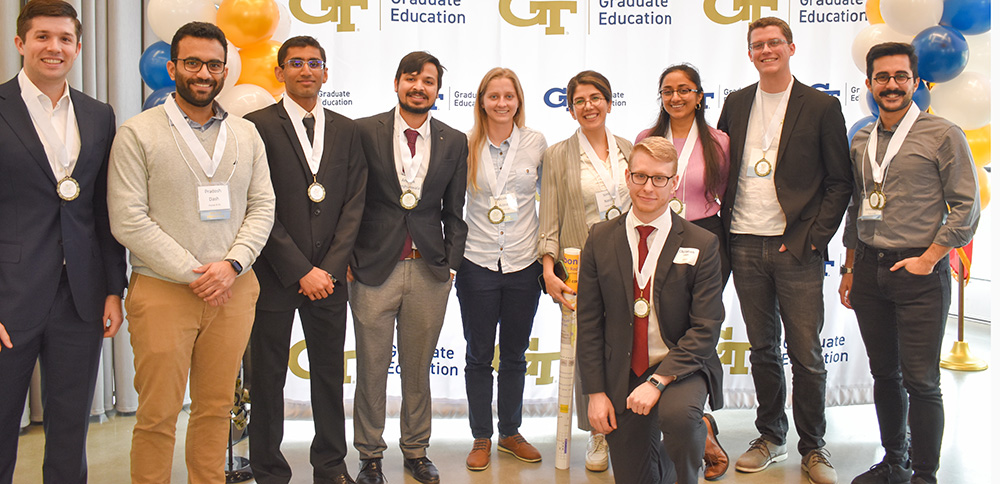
(594, 100)
(667, 93)
(659, 181)
(883, 78)
(193, 64)
(773, 44)
(297, 63)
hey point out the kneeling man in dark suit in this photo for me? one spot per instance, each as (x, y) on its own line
(649, 317)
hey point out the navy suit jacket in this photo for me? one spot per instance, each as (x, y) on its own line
(436, 224)
(38, 230)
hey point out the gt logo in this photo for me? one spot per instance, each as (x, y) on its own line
(547, 12)
(338, 11)
(745, 10)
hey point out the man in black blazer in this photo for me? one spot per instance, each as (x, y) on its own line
(789, 184)
(411, 242)
(318, 171)
(647, 354)
(62, 274)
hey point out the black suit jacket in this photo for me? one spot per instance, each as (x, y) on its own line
(308, 234)
(38, 230)
(687, 300)
(812, 175)
(436, 224)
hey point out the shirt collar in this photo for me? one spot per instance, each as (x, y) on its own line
(30, 91)
(663, 222)
(299, 111)
(424, 130)
(219, 114)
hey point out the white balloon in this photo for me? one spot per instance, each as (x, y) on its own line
(235, 65)
(241, 99)
(964, 100)
(284, 23)
(869, 37)
(866, 110)
(979, 53)
(911, 16)
(166, 16)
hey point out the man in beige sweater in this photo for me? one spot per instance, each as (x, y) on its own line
(189, 194)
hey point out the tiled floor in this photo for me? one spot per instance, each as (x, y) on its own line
(852, 438)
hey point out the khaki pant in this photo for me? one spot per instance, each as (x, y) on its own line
(174, 333)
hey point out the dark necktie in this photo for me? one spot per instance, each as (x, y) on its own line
(411, 142)
(310, 123)
(640, 326)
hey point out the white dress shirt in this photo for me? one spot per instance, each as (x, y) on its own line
(423, 145)
(61, 118)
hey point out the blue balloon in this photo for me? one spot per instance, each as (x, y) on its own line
(922, 97)
(969, 17)
(865, 121)
(872, 105)
(153, 66)
(157, 97)
(942, 53)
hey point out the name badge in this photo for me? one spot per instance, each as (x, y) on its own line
(213, 202)
(508, 204)
(867, 212)
(686, 255)
(761, 163)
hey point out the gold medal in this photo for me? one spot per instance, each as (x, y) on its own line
(876, 200)
(408, 200)
(316, 192)
(612, 213)
(496, 215)
(640, 308)
(68, 188)
(762, 167)
(676, 205)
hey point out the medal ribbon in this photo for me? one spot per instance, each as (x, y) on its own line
(300, 132)
(411, 162)
(779, 115)
(895, 143)
(499, 182)
(685, 155)
(47, 129)
(643, 276)
(208, 165)
(612, 179)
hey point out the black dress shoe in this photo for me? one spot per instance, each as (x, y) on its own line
(371, 472)
(423, 470)
(344, 478)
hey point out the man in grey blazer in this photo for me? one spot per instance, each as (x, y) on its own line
(62, 274)
(410, 243)
(789, 184)
(650, 312)
(318, 172)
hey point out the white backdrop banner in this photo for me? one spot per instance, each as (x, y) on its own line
(546, 42)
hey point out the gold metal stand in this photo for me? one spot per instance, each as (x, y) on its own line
(961, 357)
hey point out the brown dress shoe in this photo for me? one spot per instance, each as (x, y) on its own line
(716, 459)
(516, 446)
(479, 457)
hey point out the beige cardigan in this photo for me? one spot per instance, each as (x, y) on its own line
(562, 222)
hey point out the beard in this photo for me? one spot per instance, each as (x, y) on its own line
(904, 100)
(185, 92)
(406, 106)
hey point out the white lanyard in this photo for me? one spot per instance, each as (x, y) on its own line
(610, 180)
(685, 156)
(47, 130)
(779, 115)
(411, 163)
(499, 183)
(895, 143)
(319, 132)
(208, 165)
(649, 265)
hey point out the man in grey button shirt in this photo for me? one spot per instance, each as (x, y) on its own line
(895, 275)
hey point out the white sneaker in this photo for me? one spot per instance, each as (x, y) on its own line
(597, 453)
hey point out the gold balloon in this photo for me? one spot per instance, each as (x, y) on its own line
(873, 12)
(259, 61)
(247, 22)
(984, 187)
(979, 144)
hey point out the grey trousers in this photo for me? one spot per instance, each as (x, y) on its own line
(411, 301)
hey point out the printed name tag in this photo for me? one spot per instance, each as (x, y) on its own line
(686, 255)
(213, 202)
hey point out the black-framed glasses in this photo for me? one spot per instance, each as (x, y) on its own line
(667, 93)
(883, 78)
(193, 64)
(594, 100)
(296, 63)
(773, 44)
(659, 181)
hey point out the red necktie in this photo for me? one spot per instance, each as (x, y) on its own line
(411, 142)
(640, 326)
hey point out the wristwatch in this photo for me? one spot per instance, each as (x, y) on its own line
(236, 265)
(659, 386)
(846, 270)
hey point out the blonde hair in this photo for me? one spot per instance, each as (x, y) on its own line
(660, 148)
(478, 139)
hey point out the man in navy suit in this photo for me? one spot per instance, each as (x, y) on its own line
(61, 272)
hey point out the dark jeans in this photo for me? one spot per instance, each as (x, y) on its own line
(902, 320)
(489, 299)
(777, 291)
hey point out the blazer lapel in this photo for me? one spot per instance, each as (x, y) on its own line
(791, 116)
(328, 136)
(738, 133)
(623, 253)
(385, 150)
(437, 139)
(666, 260)
(293, 139)
(13, 110)
(88, 130)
